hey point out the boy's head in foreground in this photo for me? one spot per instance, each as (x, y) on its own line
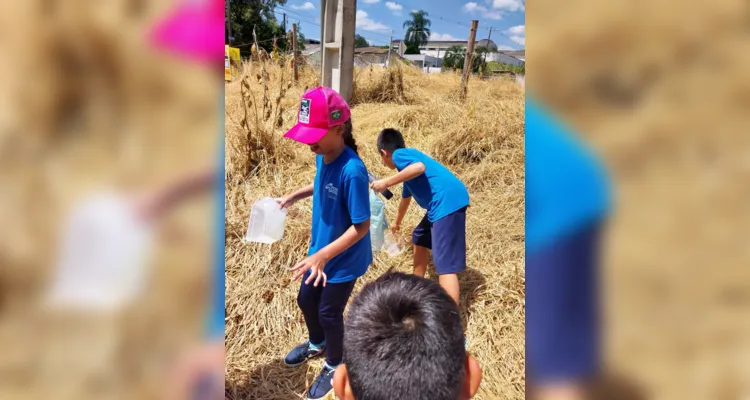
(389, 141)
(404, 340)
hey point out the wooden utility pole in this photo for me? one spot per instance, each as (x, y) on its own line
(294, 50)
(390, 44)
(468, 59)
(489, 35)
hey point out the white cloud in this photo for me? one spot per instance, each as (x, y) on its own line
(493, 15)
(518, 34)
(415, 11)
(519, 39)
(517, 30)
(366, 24)
(502, 47)
(395, 7)
(474, 8)
(442, 36)
(508, 5)
(306, 6)
(371, 1)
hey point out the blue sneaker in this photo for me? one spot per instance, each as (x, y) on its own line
(302, 353)
(322, 386)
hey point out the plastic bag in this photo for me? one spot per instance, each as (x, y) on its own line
(392, 246)
(266, 223)
(378, 223)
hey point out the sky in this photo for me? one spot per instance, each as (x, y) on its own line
(451, 19)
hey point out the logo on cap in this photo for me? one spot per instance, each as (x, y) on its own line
(335, 114)
(304, 111)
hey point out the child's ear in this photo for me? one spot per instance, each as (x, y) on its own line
(384, 153)
(473, 377)
(341, 383)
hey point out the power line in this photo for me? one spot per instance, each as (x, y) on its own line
(401, 32)
(295, 11)
(299, 16)
(316, 24)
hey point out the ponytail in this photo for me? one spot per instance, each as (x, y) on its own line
(348, 137)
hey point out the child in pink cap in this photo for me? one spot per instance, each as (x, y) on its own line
(340, 250)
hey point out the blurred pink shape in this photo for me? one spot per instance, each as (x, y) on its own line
(195, 29)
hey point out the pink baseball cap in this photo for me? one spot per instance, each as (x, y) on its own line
(320, 109)
(194, 29)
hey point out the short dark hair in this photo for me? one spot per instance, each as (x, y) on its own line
(403, 339)
(390, 139)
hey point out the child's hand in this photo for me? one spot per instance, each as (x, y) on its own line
(379, 185)
(315, 263)
(395, 229)
(286, 201)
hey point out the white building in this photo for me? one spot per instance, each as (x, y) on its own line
(504, 58)
(437, 49)
(365, 56)
(424, 60)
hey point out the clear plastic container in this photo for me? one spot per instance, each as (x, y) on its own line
(266, 223)
(392, 245)
(104, 255)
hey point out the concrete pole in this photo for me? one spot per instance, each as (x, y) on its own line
(468, 59)
(322, 36)
(337, 45)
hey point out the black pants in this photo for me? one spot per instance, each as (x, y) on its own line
(323, 308)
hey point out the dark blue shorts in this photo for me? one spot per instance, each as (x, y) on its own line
(447, 239)
(562, 325)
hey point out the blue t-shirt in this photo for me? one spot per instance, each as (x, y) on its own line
(341, 198)
(437, 190)
(566, 187)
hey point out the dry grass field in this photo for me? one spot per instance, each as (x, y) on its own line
(480, 140)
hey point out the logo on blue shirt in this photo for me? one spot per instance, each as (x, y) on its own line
(333, 191)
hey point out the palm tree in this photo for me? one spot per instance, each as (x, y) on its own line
(417, 29)
(454, 57)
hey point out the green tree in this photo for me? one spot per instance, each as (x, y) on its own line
(478, 63)
(417, 30)
(360, 41)
(259, 14)
(454, 57)
(412, 48)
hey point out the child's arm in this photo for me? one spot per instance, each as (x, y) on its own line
(296, 196)
(160, 201)
(408, 173)
(402, 207)
(317, 261)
